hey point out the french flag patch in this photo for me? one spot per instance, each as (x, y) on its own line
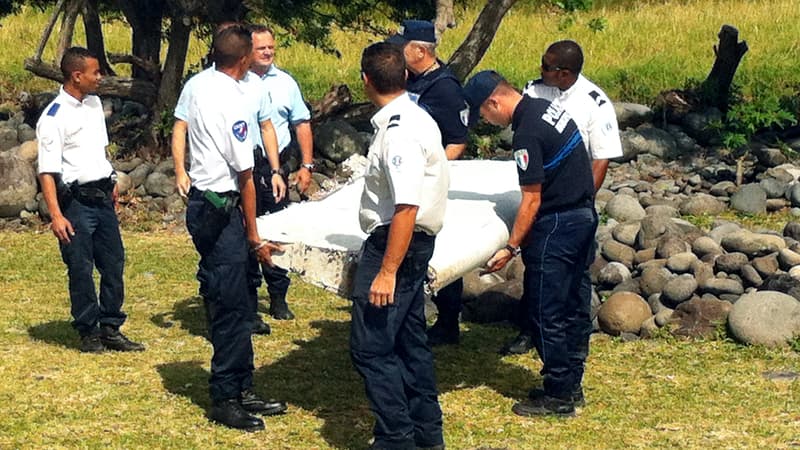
(240, 130)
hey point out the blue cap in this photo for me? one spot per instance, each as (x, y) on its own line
(478, 89)
(413, 30)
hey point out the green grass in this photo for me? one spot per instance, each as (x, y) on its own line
(646, 394)
(647, 46)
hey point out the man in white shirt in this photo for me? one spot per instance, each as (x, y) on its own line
(402, 209)
(79, 187)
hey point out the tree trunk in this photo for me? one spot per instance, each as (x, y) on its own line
(94, 36)
(71, 11)
(172, 75)
(445, 17)
(144, 17)
(729, 53)
(48, 30)
(470, 52)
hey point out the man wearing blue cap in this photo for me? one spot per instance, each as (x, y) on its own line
(437, 90)
(554, 230)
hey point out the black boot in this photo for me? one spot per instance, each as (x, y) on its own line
(544, 406)
(577, 396)
(279, 309)
(253, 404)
(114, 340)
(231, 414)
(444, 332)
(518, 346)
(90, 343)
(258, 326)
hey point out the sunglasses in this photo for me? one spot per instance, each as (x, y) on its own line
(547, 68)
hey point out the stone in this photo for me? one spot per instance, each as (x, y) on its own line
(704, 245)
(631, 115)
(702, 272)
(337, 140)
(768, 318)
(629, 285)
(475, 284)
(140, 173)
(127, 165)
(698, 125)
(678, 290)
(770, 157)
(496, 304)
(792, 230)
(720, 286)
(623, 312)
(781, 282)
(159, 184)
(657, 142)
(18, 184)
(654, 301)
(788, 258)
(662, 210)
(794, 194)
(652, 280)
(776, 204)
(723, 189)
(752, 244)
(626, 233)
(663, 316)
(681, 262)
(167, 167)
(750, 199)
(671, 244)
(751, 276)
(8, 137)
(651, 229)
(773, 187)
(649, 328)
(616, 251)
(698, 318)
(624, 209)
(730, 262)
(25, 133)
(613, 274)
(124, 183)
(645, 255)
(766, 265)
(701, 204)
(29, 150)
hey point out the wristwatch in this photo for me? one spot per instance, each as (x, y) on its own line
(309, 166)
(513, 250)
(278, 171)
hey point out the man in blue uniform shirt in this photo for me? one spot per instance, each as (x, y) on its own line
(436, 89)
(223, 232)
(79, 188)
(554, 231)
(402, 209)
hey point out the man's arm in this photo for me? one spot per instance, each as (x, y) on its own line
(263, 250)
(305, 140)
(599, 168)
(454, 151)
(381, 292)
(61, 226)
(182, 181)
(526, 214)
(270, 140)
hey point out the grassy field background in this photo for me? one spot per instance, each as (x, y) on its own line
(645, 394)
(647, 46)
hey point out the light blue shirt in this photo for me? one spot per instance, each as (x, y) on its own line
(288, 106)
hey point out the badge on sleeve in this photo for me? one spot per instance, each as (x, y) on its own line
(397, 160)
(240, 130)
(464, 114)
(521, 157)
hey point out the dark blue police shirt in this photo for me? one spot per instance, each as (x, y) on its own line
(440, 94)
(549, 151)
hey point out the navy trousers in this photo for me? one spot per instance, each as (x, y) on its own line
(222, 244)
(96, 243)
(448, 301)
(389, 348)
(556, 260)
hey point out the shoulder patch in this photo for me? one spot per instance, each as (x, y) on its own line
(240, 130)
(521, 157)
(394, 117)
(392, 125)
(597, 98)
(53, 110)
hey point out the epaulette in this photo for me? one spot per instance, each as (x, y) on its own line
(534, 83)
(53, 110)
(597, 98)
(394, 121)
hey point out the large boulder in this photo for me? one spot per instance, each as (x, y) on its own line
(701, 204)
(623, 312)
(752, 244)
(768, 318)
(8, 136)
(17, 184)
(631, 115)
(700, 318)
(678, 289)
(336, 140)
(159, 184)
(624, 208)
(751, 199)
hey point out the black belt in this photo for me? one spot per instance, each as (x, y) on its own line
(93, 191)
(220, 200)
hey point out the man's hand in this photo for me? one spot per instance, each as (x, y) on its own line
(278, 187)
(183, 183)
(381, 293)
(62, 229)
(303, 179)
(264, 253)
(498, 261)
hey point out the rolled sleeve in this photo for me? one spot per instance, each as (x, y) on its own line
(182, 107)
(298, 111)
(405, 165)
(51, 147)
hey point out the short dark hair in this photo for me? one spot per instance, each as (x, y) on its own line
(230, 45)
(74, 60)
(260, 28)
(568, 55)
(385, 66)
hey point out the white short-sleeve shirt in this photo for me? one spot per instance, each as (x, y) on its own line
(407, 165)
(591, 110)
(72, 139)
(220, 145)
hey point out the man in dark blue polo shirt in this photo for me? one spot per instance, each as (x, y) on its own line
(436, 89)
(554, 230)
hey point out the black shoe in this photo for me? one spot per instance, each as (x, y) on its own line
(279, 309)
(435, 447)
(231, 414)
(544, 406)
(520, 345)
(252, 404)
(577, 396)
(113, 339)
(91, 344)
(442, 333)
(258, 326)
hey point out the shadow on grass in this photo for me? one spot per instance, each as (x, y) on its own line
(189, 313)
(188, 379)
(57, 332)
